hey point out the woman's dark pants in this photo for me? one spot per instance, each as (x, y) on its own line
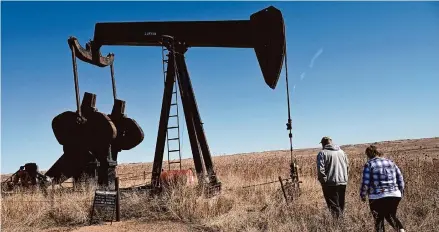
(385, 208)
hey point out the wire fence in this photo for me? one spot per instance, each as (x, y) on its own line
(415, 165)
(141, 177)
(123, 194)
(122, 176)
(47, 201)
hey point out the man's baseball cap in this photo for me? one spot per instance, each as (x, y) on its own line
(325, 139)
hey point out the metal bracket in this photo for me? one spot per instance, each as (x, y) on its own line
(90, 54)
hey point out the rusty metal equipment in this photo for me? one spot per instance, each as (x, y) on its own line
(264, 32)
(171, 178)
(291, 189)
(26, 177)
(91, 139)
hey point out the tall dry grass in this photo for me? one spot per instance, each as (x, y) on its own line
(251, 209)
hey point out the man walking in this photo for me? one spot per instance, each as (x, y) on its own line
(332, 173)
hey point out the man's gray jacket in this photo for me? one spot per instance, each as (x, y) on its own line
(332, 166)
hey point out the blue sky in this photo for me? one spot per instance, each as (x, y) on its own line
(375, 75)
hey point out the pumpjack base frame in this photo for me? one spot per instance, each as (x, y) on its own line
(177, 71)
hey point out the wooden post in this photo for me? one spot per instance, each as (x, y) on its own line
(283, 190)
(144, 175)
(92, 211)
(117, 200)
(52, 198)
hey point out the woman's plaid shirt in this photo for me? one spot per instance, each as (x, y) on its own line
(380, 176)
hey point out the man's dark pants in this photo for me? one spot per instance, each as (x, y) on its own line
(335, 198)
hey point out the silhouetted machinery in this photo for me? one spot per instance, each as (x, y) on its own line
(27, 176)
(92, 139)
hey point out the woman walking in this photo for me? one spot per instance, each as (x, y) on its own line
(384, 184)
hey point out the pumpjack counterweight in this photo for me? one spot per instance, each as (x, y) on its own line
(91, 139)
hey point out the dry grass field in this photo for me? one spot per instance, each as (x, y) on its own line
(251, 209)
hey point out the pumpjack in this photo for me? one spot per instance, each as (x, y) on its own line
(264, 32)
(91, 139)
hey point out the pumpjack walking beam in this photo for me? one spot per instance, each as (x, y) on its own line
(264, 32)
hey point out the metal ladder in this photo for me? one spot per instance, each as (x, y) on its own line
(174, 102)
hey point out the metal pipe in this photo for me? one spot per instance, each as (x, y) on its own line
(75, 78)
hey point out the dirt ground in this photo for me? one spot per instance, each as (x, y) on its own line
(132, 225)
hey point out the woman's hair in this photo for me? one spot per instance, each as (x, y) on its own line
(373, 152)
